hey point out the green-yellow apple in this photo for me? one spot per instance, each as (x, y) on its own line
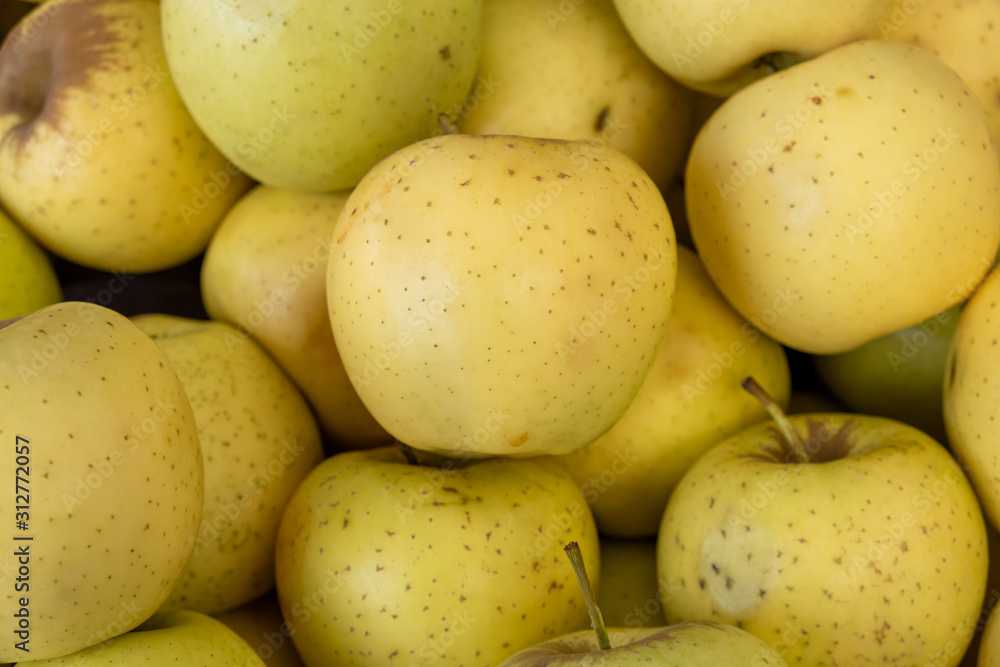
(839, 539)
(970, 401)
(265, 272)
(720, 46)
(167, 639)
(258, 440)
(261, 625)
(571, 71)
(899, 375)
(312, 96)
(106, 478)
(690, 400)
(989, 647)
(27, 279)
(690, 644)
(629, 596)
(100, 160)
(962, 33)
(451, 562)
(501, 295)
(800, 187)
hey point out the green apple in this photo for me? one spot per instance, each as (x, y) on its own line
(100, 161)
(451, 562)
(690, 644)
(265, 273)
(720, 46)
(258, 440)
(970, 402)
(260, 623)
(690, 400)
(501, 295)
(166, 639)
(838, 538)
(959, 32)
(571, 71)
(801, 186)
(899, 375)
(629, 596)
(27, 279)
(312, 96)
(106, 473)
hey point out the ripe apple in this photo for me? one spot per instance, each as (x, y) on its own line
(844, 539)
(501, 295)
(260, 623)
(571, 71)
(105, 458)
(265, 273)
(27, 279)
(451, 562)
(720, 46)
(166, 639)
(800, 187)
(333, 89)
(258, 440)
(690, 400)
(100, 161)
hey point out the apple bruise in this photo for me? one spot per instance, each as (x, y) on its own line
(53, 50)
(821, 445)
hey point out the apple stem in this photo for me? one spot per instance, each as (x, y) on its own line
(792, 436)
(596, 619)
(408, 453)
(446, 124)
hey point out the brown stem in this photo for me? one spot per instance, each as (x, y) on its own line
(596, 619)
(791, 436)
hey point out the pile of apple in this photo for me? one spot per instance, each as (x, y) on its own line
(484, 332)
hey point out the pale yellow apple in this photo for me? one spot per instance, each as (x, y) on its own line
(846, 197)
(104, 447)
(690, 400)
(571, 71)
(100, 160)
(501, 294)
(264, 272)
(259, 440)
(260, 623)
(27, 279)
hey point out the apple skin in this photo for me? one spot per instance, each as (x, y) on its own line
(688, 644)
(28, 280)
(877, 547)
(801, 185)
(628, 596)
(100, 161)
(451, 562)
(167, 638)
(261, 625)
(116, 474)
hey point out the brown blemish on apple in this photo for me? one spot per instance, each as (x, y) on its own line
(519, 440)
(53, 51)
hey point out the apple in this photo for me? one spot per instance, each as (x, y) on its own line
(260, 623)
(167, 638)
(571, 71)
(899, 375)
(838, 538)
(720, 46)
(264, 272)
(445, 561)
(312, 96)
(27, 279)
(100, 161)
(629, 595)
(258, 440)
(106, 475)
(501, 295)
(690, 400)
(802, 186)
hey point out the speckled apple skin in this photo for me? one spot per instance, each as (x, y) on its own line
(877, 557)
(380, 562)
(259, 439)
(501, 295)
(816, 194)
(116, 475)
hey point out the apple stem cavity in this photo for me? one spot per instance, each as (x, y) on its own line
(596, 619)
(408, 453)
(791, 436)
(446, 124)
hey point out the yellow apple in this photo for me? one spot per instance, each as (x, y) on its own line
(260, 623)
(27, 279)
